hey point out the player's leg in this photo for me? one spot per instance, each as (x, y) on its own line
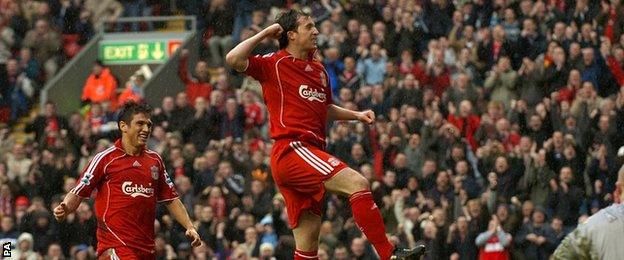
(123, 253)
(307, 236)
(350, 183)
(301, 187)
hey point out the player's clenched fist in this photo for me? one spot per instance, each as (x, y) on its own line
(367, 116)
(194, 236)
(274, 31)
(60, 212)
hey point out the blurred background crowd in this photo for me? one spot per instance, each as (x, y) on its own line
(498, 125)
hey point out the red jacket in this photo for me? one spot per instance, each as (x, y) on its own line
(129, 94)
(493, 250)
(254, 115)
(101, 88)
(439, 83)
(616, 69)
(194, 87)
(467, 126)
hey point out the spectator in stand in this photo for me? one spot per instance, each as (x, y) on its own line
(205, 124)
(536, 238)
(101, 86)
(84, 27)
(466, 122)
(7, 40)
(198, 84)
(254, 111)
(258, 22)
(103, 11)
(29, 65)
(334, 67)
(615, 61)
(536, 179)
(133, 90)
(24, 247)
(502, 82)
(350, 78)
(66, 13)
(163, 115)
(21, 90)
(373, 68)
(494, 242)
(48, 126)
(45, 43)
(460, 241)
(220, 22)
(531, 40)
(8, 232)
(18, 164)
(232, 120)
(132, 8)
(101, 124)
(565, 198)
(181, 114)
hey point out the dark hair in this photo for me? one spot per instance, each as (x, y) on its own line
(131, 108)
(288, 21)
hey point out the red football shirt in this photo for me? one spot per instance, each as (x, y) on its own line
(296, 93)
(128, 189)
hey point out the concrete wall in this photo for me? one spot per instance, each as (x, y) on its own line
(165, 81)
(65, 88)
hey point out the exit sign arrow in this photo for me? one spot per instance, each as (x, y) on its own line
(137, 52)
(158, 52)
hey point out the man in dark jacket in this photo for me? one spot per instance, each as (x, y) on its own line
(536, 239)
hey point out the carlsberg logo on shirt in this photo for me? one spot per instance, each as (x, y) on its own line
(136, 190)
(311, 94)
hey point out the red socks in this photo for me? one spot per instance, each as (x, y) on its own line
(369, 220)
(303, 255)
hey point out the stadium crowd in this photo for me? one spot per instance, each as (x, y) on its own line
(497, 132)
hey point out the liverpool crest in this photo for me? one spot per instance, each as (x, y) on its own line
(154, 170)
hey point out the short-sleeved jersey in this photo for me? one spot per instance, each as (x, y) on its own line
(296, 93)
(128, 188)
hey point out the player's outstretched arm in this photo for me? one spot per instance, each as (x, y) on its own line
(69, 205)
(237, 57)
(177, 209)
(338, 113)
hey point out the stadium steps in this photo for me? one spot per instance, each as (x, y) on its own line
(18, 132)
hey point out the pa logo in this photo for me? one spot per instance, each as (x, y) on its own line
(6, 249)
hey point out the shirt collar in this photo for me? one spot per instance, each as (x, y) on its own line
(120, 147)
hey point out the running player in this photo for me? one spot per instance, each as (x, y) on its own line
(130, 180)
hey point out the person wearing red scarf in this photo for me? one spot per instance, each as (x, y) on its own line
(493, 243)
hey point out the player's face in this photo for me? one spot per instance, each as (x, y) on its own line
(306, 33)
(138, 130)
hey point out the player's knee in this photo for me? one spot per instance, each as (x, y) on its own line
(307, 241)
(360, 183)
(309, 244)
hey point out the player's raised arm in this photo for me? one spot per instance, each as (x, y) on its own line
(237, 57)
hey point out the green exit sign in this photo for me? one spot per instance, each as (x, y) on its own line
(139, 52)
